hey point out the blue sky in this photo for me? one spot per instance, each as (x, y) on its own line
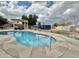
(24, 3)
(29, 3)
(49, 3)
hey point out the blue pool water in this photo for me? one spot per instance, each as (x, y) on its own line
(31, 39)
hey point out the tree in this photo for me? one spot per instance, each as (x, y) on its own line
(55, 25)
(3, 21)
(24, 17)
(32, 19)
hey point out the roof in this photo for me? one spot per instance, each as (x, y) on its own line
(19, 20)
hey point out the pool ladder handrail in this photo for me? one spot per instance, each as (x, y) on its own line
(50, 41)
(41, 38)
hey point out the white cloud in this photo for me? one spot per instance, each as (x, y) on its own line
(3, 3)
(13, 4)
(65, 11)
(2, 14)
(12, 10)
(42, 3)
(41, 10)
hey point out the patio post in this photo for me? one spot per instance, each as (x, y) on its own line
(27, 24)
(13, 26)
(24, 25)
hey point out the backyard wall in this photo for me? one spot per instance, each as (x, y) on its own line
(64, 28)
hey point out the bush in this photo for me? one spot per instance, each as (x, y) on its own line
(55, 25)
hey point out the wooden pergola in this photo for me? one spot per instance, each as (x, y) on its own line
(20, 23)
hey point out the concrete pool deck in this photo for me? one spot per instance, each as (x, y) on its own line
(63, 48)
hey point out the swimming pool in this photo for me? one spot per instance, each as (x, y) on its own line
(30, 39)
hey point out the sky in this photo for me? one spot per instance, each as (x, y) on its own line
(25, 3)
(15, 9)
(29, 3)
(47, 11)
(10, 9)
